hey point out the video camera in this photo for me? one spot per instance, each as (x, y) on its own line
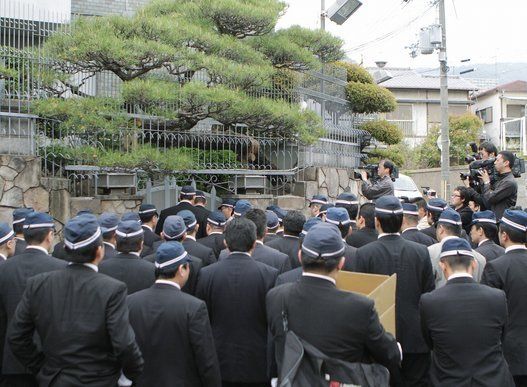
(477, 165)
(372, 172)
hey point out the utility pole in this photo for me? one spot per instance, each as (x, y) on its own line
(445, 141)
(322, 86)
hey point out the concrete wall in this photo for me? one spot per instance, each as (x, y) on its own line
(106, 7)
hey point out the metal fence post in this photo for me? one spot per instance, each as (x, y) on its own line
(148, 190)
(167, 192)
(213, 205)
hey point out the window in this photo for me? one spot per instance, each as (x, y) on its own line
(515, 111)
(401, 112)
(485, 115)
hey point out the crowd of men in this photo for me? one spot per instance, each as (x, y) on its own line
(242, 296)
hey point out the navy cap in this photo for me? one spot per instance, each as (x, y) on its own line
(200, 194)
(129, 229)
(346, 199)
(515, 218)
(318, 199)
(170, 255)
(323, 241)
(436, 205)
(338, 216)
(131, 216)
(450, 216)
(6, 233)
(410, 209)
(188, 190)
(281, 213)
(38, 220)
(483, 217)
(147, 209)
(85, 211)
(81, 231)
(388, 205)
(456, 246)
(108, 221)
(310, 223)
(217, 218)
(19, 214)
(325, 207)
(272, 219)
(189, 218)
(174, 227)
(241, 207)
(228, 202)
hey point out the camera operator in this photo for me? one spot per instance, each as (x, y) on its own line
(383, 185)
(486, 150)
(504, 193)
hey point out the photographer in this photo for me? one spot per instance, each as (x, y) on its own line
(383, 185)
(504, 193)
(487, 150)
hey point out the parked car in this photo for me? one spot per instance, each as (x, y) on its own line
(405, 187)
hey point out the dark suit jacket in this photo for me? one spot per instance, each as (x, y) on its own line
(343, 325)
(289, 276)
(150, 237)
(20, 247)
(350, 255)
(490, 250)
(361, 237)
(59, 252)
(14, 274)
(201, 214)
(135, 272)
(414, 235)
(199, 251)
(463, 323)
(509, 273)
(234, 290)
(466, 218)
(109, 251)
(431, 232)
(411, 261)
(82, 320)
(288, 245)
(269, 237)
(267, 255)
(173, 331)
(215, 242)
(173, 211)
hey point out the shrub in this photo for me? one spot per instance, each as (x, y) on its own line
(383, 131)
(369, 98)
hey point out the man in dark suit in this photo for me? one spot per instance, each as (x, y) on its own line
(127, 266)
(234, 290)
(201, 212)
(342, 325)
(14, 274)
(289, 244)
(349, 201)
(366, 232)
(509, 273)
(148, 215)
(189, 242)
(409, 229)
(7, 243)
(172, 328)
(186, 200)
(273, 223)
(434, 208)
(227, 207)
(19, 217)
(108, 223)
(463, 324)
(410, 261)
(280, 214)
(316, 203)
(80, 317)
(215, 239)
(339, 217)
(484, 232)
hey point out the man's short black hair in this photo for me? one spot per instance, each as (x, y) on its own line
(457, 262)
(107, 236)
(464, 194)
(344, 229)
(259, 219)
(84, 254)
(128, 245)
(240, 234)
(515, 235)
(183, 196)
(200, 200)
(508, 156)
(145, 218)
(367, 211)
(353, 210)
(294, 222)
(435, 215)
(420, 203)
(488, 147)
(18, 228)
(391, 223)
(489, 230)
(451, 229)
(318, 264)
(389, 165)
(35, 236)
(167, 274)
(412, 219)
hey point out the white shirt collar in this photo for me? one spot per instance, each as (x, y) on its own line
(38, 248)
(241, 252)
(187, 201)
(408, 229)
(19, 238)
(90, 265)
(216, 233)
(166, 282)
(459, 275)
(191, 238)
(2, 256)
(134, 253)
(447, 238)
(304, 274)
(259, 242)
(515, 247)
(148, 227)
(387, 233)
(290, 236)
(109, 244)
(481, 242)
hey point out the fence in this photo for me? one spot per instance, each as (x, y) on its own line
(512, 135)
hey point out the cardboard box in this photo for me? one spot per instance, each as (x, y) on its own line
(380, 288)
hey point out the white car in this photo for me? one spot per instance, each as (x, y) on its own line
(405, 187)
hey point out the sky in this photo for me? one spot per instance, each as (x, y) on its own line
(485, 31)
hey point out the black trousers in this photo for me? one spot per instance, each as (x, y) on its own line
(415, 369)
(520, 380)
(236, 384)
(22, 380)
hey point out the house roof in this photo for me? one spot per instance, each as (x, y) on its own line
(413, 80)
(514, 87)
